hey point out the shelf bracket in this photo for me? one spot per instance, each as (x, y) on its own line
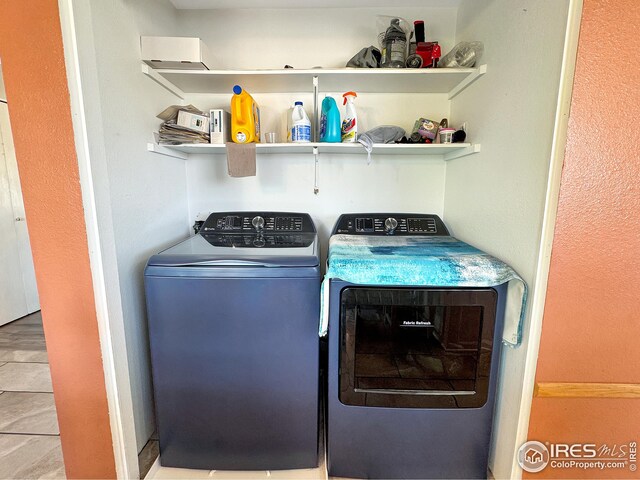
(470, 150)
(155, 76)
(155, 148)
(481, 70)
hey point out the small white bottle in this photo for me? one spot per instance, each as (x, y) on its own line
(350, 122)
(300, 125)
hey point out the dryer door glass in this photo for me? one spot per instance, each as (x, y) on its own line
(406, 347)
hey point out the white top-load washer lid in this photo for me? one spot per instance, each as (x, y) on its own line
(247, 239)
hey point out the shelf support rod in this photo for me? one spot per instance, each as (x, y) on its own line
(315, 109)
(481, 70)
(316, 188)
(155, 76)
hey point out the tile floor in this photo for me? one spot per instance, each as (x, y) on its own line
(29, 435)
(147, 457)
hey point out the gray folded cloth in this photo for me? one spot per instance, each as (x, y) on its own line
(381, 134)
(241, 159)
(368, 57)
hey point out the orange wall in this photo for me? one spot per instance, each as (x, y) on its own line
(36, 83)
(591, 327)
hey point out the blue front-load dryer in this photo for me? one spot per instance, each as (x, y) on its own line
(233, 323)
(413, 351)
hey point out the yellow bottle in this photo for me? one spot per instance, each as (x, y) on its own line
(245, 117)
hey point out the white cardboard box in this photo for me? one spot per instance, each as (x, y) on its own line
(184, 53)
(193, 121)
(220, 124)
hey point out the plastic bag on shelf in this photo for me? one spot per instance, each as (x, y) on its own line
(394, 36)
(384, 21)
(463, 55)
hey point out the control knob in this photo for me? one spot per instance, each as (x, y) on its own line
(258, 223)
(390, 225)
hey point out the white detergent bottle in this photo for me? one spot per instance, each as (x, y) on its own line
(300, 125)
(350, 122)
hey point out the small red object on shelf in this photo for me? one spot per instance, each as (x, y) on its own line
(430, 53)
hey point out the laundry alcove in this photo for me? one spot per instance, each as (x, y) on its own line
(145, 201)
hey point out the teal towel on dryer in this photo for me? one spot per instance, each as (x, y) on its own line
(423, 261)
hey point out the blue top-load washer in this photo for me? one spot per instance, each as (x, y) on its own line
(233, 321)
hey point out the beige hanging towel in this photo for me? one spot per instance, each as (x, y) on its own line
(241, 159)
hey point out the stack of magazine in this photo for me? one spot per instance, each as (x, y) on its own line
(171, 133)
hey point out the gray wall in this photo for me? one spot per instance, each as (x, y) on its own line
(141, 197)
(495, 199)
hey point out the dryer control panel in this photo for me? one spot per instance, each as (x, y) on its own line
(389, 224)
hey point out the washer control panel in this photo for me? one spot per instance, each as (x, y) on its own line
(259, 230)
(389, 224)
(284, 240)
(256, 222)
